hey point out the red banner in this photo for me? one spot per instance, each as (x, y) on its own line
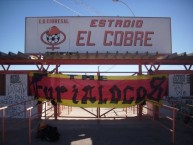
(98, 91)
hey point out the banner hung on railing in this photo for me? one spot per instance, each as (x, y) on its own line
(98, 91)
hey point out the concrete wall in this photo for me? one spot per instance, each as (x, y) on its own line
(16, 92)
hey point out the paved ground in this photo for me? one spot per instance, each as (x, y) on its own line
(128, 131)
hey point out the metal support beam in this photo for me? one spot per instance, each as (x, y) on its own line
(5, 69)
(56, 107)
(89, 112)
(188, 68)
(103, 61)
(173, 72)
(107, 112)
(98, 108)
(140, 107)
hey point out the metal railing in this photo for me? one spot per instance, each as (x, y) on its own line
(25, 110)
(32, 116)
(186, 116)
(170, 118)
(2, 109)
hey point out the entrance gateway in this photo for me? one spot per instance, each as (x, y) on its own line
(57, 41)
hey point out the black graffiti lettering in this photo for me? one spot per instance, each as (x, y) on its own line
(141, 93)
(37, 87)
(88, 91)
(115, 91)
(97, 90)
(129, 101)
(50, 91)
(37, 77)
(60, 90)
(74, 97)
(101, 101)
(156, 85)
(72, 77)
(89, 77)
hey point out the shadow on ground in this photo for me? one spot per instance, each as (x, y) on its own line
(128, 131)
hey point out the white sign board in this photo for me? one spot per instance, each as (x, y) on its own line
(102, 34)
(179, 85)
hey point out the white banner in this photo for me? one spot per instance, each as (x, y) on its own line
(179, 85)
(102, 34)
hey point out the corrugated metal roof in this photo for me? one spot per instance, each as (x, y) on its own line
(76, 57)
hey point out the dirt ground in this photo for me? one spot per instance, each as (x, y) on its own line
(120, 131)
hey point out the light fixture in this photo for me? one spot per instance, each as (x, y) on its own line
(125, 5)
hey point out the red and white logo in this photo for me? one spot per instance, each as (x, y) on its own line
(53, 37)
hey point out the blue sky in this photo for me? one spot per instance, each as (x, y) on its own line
(13, 13)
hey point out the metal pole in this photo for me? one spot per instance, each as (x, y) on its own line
(68, 110)
(140, 107)
(99, 112)
(29, 124)
(56, 106)
(98, 108)
(3, 124)
(173, 126)
(45, 109)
